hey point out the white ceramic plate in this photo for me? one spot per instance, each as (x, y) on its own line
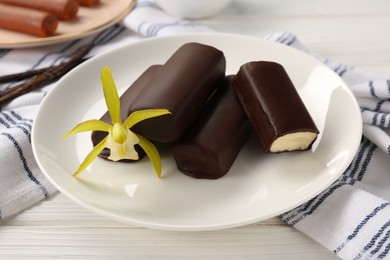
(89, 20)
(257, 187)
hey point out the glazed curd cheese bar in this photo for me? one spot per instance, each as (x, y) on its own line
(182, 85)
(274, 107)
(209, 148)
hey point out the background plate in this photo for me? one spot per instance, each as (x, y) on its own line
(257, 187)
(89, 20)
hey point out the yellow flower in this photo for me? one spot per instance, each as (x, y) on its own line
(120, 139)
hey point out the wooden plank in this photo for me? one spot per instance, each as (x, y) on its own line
(58, 210)
(246, 243)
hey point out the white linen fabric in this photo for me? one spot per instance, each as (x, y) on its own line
(350, 218)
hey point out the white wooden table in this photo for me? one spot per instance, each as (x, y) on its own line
(355, 32)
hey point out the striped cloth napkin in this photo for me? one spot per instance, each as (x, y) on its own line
(350, 218)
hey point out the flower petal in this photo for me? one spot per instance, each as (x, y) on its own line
(125, 150)
(91, 156)
(90, 125)
(151, 152)
(111, 95)
(140, 115)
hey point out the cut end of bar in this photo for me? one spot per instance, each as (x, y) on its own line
(293, 142)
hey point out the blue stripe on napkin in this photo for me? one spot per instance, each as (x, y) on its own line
(24, 162)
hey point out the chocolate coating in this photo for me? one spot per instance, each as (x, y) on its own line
(126, 100)
(182, 85)
(211, 145)
(271, 102)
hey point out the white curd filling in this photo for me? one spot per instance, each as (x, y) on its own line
(293, 142)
